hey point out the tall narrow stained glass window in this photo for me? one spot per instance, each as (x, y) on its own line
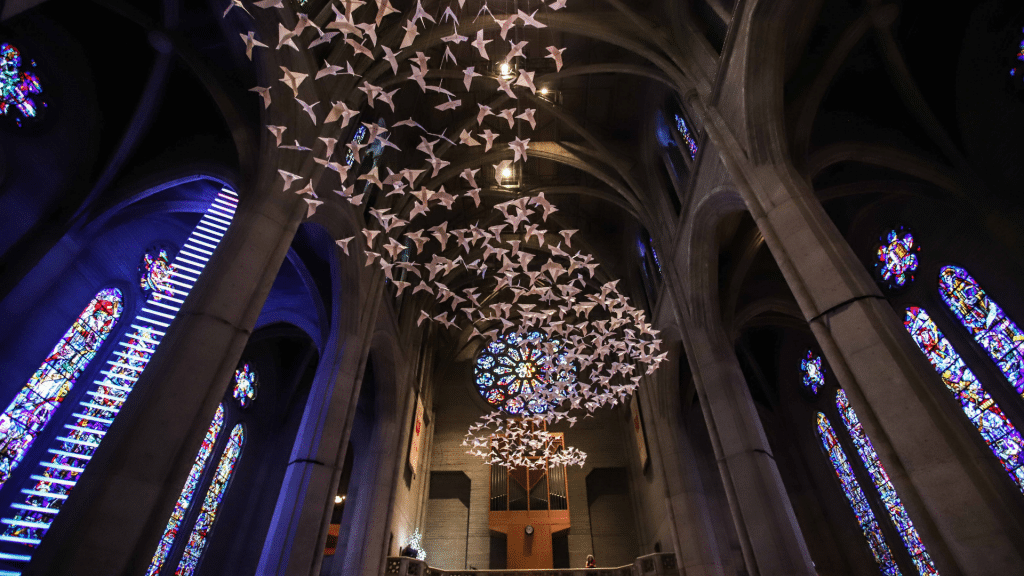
(897, 512)
(17, 85)
(211, 503)
(1002, 438)
(990, 326)
(855, 495)
(1017, 71)
(187, 492)
(350, 155)
(35, 404)
(25, 525)
(687, 135)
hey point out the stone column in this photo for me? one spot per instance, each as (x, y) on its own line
(117, 512)
(692, 527)
(939, 473)
(298, 531)
(762, 513)
(945, 478)
(366, 548)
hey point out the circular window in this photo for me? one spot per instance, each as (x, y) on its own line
(246, 380)
(897, 258)
(812, 372)
(155, 272)
(512, 368)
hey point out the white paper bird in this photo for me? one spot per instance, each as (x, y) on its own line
(555, 54)
(506, 24)
(340, 110)
(489, 137)
(528, 115)
(311, 207)
(481, 45)
(234, 3)
(251, 43)
(264, 93)
(519, 147)
(277, 131)
(292, 79)
(308, 108)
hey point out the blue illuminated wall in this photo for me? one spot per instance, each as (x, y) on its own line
(106, 252)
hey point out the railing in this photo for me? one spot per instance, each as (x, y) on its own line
(650, 565)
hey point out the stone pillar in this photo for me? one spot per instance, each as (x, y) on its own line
(944, 477)
(117, 512)
(940, 474)
(692, 526)
(762, 513)
(297, 535)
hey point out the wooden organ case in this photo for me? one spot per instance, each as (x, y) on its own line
(529, 506)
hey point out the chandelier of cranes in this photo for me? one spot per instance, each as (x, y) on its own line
(530, 287)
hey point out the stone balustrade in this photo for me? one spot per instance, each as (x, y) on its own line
(650, 565)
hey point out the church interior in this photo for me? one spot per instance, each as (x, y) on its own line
(562, 287)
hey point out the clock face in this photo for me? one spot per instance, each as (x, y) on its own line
(529, 530)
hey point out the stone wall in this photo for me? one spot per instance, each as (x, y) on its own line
(603, 437)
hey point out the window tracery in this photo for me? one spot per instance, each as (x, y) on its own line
(181, 507)
(246, 380)
(986, 321)
(155, 273)
(995, 428)
(211, 503)
(34, 406)
(897, 260)
(16, 85)
(28, 521)
(1018, 70)
(812, 373)
(510, 369)
(855, 495)
(684, 131)
(893, 505)
(360, 135)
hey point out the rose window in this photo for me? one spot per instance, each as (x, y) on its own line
(510, 370)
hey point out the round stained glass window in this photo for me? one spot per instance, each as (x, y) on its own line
(812, 372)
(155, 272)
(514, 367)
(246, 380)
(897, 258)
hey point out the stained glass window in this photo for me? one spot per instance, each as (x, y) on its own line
(687, 135)
(897, 513)
(514, 367)
(991, 328)
(897, 260)
(1018, 70)
(812, 373)
(155, 273)
(360, 135)
(246, 380)
(34, 405)
(17, 85)
(855, 495)
(187, 492)
(1002, 438)
(211, 503)
(29, 519)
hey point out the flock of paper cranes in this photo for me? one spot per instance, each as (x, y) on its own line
(525, 278)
